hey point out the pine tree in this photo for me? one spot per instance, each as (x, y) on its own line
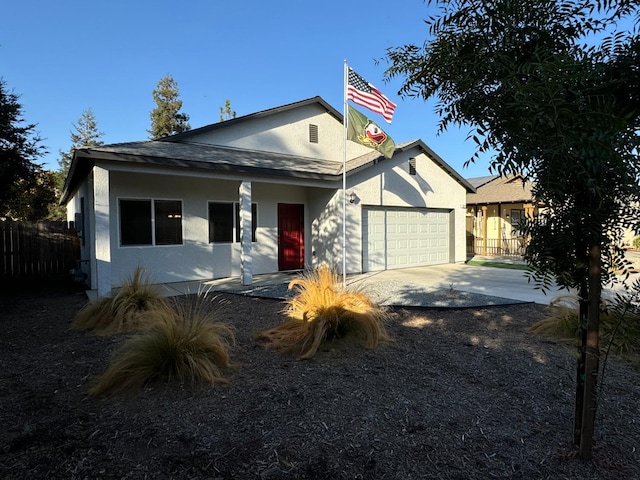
(225, 112)
(166, 118)
(19, 149)
(86, 134)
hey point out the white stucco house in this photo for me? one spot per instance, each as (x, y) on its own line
(260, 194)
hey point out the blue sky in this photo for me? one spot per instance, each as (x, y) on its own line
(65, 56)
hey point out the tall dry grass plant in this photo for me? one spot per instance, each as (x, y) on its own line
(619, 324)
(322, 310)
(122, 311)
(183, 343)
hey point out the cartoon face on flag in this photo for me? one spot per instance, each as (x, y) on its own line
(374, 133)
(366, 132)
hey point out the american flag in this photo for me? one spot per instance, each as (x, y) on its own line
(366, 95)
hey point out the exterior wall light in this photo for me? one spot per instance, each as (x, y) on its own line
(352, 197)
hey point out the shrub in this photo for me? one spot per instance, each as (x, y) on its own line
(183, 343)
(619, 324)
(561, 319)
(636, 243)
(121, 312)
(322, 310)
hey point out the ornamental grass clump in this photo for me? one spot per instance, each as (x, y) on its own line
(322, 310)
(122, 311)
(619, 324)
(183, 343)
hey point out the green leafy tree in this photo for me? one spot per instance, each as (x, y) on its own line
(561, 112)
(19, 149)
(166, 118)
(226, 113)
(85, 134)
(37, 198)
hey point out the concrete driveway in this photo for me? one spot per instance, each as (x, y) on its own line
(490, 281)
(450, 285)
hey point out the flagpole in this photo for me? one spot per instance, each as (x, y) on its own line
(345, 120)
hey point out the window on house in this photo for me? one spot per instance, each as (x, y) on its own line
(412, 166)
(224, 222)
(313, 133)
(168, 222)
(150, 222)
(517, 217)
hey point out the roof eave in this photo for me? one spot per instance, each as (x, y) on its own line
(94, 157)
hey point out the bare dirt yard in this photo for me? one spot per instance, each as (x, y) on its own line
(460, 394)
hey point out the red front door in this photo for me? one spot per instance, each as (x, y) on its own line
(290, 236)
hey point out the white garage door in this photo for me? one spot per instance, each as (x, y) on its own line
(404, 237)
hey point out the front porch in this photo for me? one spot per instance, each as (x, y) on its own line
(493, 247)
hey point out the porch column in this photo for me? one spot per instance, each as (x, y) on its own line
(484, 230)
(528, 210)
(102, 232)
(500, 237)
(246, 263)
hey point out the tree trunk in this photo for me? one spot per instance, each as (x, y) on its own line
(590, 393)
(580, 368)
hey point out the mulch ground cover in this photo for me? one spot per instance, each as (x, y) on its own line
(459, 394)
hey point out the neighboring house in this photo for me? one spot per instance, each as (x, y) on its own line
(259, 194)
(495, 210)
(494, 213)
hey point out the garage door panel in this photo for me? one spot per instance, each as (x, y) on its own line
(398, 238)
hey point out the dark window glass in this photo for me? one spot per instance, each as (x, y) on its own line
(135, 222)
(168, 219)
(220, 222)
(254, 221)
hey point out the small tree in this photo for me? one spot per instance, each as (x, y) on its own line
(226, 113)
(19, 149)
(561, 113)
(166, 118)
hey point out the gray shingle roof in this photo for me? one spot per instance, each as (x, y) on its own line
(479, 181)
(509, 189)
(214, 157)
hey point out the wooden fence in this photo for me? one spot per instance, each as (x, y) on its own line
(36, 250)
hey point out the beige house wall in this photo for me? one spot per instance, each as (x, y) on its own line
(499, 220)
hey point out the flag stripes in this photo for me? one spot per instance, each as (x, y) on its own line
(362, 93)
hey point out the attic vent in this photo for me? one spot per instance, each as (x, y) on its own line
(313, 133)
(412, 166)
